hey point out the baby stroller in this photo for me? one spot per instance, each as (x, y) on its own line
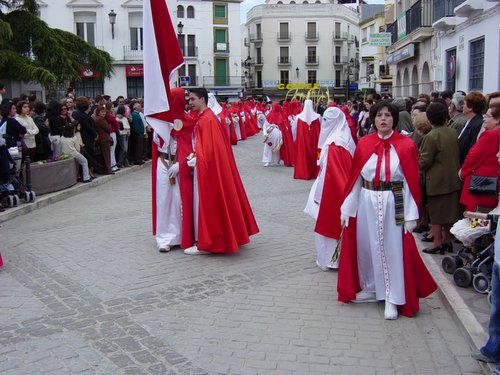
(474, 262)
(13, 186)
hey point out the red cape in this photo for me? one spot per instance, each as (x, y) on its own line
(418, 281)
(338, 168)
(287, 150)
(1, 261)
(225, 218)
(184, 148)
(306, 146)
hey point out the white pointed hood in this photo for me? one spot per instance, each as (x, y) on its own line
(308, 115)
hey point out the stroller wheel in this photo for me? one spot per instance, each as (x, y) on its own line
(481, 283)
(26, 197)
(10, 201)
(462, 277)
(32, 196)
(489, 297)
(16, 200)
(450, 264)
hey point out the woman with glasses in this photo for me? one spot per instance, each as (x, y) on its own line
(481, 161)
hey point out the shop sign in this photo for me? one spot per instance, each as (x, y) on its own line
(298, 86)
(134, 70)
(88, 73)
(184, 80)
(380, 39)
(401, 54)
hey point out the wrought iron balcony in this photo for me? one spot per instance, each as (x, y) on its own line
(312, 37)
(340, 35)
(444, 8)
(312, 60)
(254, 38)
(340, 60)
(221, 80)
(284, 60)
(259, 61)
(284, 37)
(221, 48)
(189, 51)
(132, 53)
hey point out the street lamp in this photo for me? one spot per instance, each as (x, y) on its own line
(297, 71)
(180, 27)
(112, 21)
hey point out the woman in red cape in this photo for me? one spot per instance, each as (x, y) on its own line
(379, 259)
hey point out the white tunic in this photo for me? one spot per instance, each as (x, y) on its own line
(379, 239)
(168, 201)
(270, 154)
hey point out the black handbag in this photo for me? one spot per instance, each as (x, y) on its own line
(482, 185)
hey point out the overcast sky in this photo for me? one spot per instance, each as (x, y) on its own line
(246, 5)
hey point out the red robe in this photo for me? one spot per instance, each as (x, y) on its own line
(338, 168)
(1, 261)
(287, 150)
(306, 146)
(418, 281)
(225, 218)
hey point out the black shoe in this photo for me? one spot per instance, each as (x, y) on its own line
(428, 239)
(421, 228)
(438, 249)
(87, 181)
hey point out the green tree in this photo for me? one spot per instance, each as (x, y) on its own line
(32, 51)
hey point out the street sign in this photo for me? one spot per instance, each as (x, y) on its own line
(380, 39)
(353, 87)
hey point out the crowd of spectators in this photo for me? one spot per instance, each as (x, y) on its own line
(102, 135)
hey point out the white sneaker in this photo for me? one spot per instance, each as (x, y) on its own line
(391, 311)
(363, 297)
(193, 250)
(164, 249)
(266, 165)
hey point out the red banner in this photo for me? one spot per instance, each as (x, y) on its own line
(134, 70)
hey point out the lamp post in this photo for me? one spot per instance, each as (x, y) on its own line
(112, 21)
(180, 27)
(297, 70)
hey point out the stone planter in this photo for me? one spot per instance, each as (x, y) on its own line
(53, 176)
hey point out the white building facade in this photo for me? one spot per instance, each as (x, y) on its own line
(467, 46)
(299, 46)
(204, 23)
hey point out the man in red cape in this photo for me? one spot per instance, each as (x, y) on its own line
(418, 283)
(225, 218)
(184, 138)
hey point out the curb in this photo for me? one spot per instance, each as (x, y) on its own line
(57, 196)
(470, 327)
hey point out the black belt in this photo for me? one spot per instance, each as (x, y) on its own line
(397, 189)
(382, 185)
(167, 156)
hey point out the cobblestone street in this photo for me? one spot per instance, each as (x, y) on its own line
(85, 291)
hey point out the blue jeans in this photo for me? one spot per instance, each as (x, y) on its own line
(492, 347)
(122, 151)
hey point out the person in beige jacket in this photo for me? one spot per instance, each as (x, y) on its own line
(23, 110)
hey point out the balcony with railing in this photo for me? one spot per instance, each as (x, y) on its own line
(255, 38)
(312, 36)
(284, 37)
(132, 53)
(221, 48)
(246, 42)
(189, 51)
(284, 60)
(259, 61)
(339, 35)
(418, 26)
(444, 14)
(340, 60)
(222, 80)
(312, 60)
(468, 7)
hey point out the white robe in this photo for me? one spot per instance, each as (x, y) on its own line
(270, 154)
(168, 201)
(379, 239)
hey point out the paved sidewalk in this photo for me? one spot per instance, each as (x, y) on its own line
(84, 291)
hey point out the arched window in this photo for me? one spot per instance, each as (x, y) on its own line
(305, 2)
(280, 2)
(292, 2)
(318, 2)
(180, 11)
(190, 12)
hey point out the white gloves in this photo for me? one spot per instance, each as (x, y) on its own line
(344, 220)
(410, 225)
(173, 171)
(192, 162)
